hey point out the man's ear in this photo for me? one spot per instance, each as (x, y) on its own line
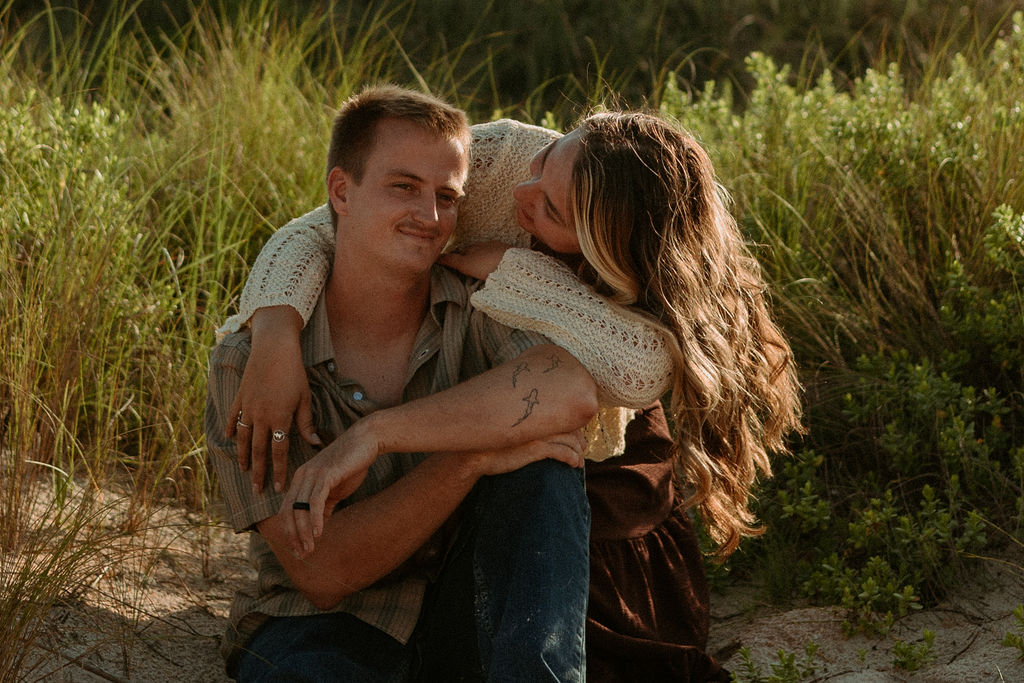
(337, 190)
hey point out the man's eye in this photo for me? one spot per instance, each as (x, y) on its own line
(448, 200)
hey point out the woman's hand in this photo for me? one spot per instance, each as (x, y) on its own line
(274, 388)
(476, 260)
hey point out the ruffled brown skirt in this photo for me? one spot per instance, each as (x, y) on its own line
(648, 614)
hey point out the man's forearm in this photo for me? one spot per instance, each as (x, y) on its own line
(367, 540)
(544, 391)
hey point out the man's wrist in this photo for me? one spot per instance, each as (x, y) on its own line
(465, 467)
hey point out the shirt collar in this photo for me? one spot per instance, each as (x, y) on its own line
(446, 287)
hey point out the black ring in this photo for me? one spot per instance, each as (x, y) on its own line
(300, 506)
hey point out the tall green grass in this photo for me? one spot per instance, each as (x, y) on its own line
(139, 176)
(141, 171)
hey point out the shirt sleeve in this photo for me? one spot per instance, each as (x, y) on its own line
(291, 269)
(628, 356)
(245, 509)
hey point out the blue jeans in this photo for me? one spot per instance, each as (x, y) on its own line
(510, 604)
(532, 573)
(324, 647)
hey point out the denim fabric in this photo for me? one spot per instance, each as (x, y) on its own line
(321, 648)
(531, 571)
(511, 601)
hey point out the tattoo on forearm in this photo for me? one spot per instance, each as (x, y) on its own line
(555, 362)
(531, 401)
(519, 369)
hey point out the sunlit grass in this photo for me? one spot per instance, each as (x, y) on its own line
(140, 174)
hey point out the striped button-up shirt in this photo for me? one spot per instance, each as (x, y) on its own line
(454, 343)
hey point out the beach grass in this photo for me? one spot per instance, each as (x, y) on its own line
(141, 171)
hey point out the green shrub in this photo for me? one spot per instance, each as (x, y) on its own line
(889, 218)
(1016, 640)
(913, 656)
(786, 668)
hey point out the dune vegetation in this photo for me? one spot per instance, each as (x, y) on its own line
(879, 181)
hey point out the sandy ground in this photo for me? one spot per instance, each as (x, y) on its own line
(969, 628)
(161, 619)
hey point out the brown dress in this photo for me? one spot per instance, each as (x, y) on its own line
(648, 615)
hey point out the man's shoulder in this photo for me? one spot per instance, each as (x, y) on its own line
(231, 348)
(448, 284)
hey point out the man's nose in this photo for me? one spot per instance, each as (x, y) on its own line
(427, 209)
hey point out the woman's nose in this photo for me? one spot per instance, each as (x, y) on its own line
(521, 192)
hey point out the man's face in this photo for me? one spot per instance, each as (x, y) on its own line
(403, 212)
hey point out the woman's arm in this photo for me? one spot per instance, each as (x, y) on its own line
(290, 270)
(627, 355)
(278, 299)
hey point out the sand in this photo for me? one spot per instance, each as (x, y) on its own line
(160, 617)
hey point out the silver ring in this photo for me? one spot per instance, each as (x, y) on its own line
(279, 435)
(238, 421)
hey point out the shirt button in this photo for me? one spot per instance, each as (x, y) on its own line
(358, 395)
(330, 366)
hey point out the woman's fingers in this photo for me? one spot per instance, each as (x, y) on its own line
(243, 440)
(279, 453)
(304, 421)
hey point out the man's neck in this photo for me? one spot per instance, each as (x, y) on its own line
(376, 306)
(374, 321)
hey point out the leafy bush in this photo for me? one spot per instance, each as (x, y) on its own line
(786, 668)
(140, 173)
(889, 219)
(913, 656)
(1016, 640)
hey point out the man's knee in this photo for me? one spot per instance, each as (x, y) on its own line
(537, 481)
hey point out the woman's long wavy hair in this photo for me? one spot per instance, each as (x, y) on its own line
(653, 223)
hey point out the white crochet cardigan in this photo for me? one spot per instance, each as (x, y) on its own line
(627, 355)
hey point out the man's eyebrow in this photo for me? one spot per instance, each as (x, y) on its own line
(402, 173)
(547, 200)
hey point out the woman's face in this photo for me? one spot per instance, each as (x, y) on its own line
(543, 200)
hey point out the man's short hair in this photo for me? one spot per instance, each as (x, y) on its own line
(353, 134)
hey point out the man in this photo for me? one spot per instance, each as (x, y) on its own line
(340, 597)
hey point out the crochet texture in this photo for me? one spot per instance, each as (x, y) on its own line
(626, 354)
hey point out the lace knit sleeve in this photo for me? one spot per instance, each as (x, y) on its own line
(290, 270)
(627, 356)
(500, 156)
(292, 267)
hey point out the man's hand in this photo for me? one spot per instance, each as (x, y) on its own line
(338, 470)
(567, 448)
(274, 388)
(321, 482)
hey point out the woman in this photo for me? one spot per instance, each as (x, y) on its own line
(666, 296)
